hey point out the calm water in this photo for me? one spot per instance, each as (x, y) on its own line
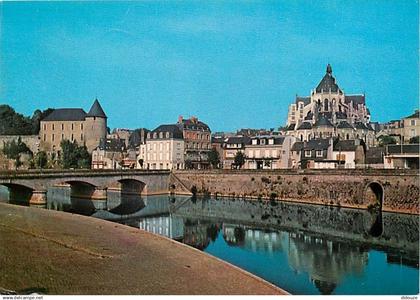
(304, 249)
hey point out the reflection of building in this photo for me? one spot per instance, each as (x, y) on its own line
(199, 234)
(73, 124)
(169, 226)
(327, 262)
(252, 239)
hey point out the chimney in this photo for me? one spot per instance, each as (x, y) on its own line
(194, 119)
(180, 119)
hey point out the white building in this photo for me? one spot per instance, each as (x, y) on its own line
(164, 149)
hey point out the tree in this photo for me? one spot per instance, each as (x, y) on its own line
(214, 158)
(37, 116)
(414, 140)
(74, 156)
(386, 140)
(14, 149)
(41, 160)
(239, 159)
(13, 123)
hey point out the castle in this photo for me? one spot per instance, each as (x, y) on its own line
(73, 124)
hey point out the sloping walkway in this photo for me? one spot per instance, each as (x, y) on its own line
(53, 252)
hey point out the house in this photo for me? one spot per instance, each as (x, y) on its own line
(231, 146)
(350, 153)
(268, 152)
(314, 154)
(197, 141)
(411, 126)
(164, 149)
(402, 156)
(109, 154)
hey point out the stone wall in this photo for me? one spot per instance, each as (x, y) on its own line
(347, 188)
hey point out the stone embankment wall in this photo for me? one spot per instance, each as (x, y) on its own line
(398, 190)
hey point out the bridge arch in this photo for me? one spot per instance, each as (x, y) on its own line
(19, 193)
(125, 196)
(374, 194)
(374, 197)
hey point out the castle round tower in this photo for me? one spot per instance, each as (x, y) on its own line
(95, 126)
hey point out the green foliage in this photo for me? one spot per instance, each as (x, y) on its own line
(12, 123)
(41, 160)
(386, 140)
(188, 164)
(37, 116)
(74, 156)
(214, 158)
(414, 140)
(239, 159)
(14, 149)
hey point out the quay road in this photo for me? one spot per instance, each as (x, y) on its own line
(50, 252)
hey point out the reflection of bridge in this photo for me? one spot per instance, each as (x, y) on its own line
(32, 186)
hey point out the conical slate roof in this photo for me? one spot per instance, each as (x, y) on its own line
(328, 82)
(96, 110)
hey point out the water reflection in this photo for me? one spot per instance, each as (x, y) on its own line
(330, 260)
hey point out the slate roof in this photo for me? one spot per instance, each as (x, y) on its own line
(309, 116)
(317, 144)
(323, 121)
(344, 124)
(66, 114)
(174, 131)
(305, 125)
(278, 140)
(341, 115)
(114, 145)
(360, 125)
(415, 115)
(238, 140)
(328, 82)
(345, 145)
(356, 99)
(189, 124)
(217, 140)
(96, 110)
(305, 100)
(297, 146)
(406, 149)
(291, 127)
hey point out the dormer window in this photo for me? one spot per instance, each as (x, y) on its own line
(262, 141)
(271, 141)
(308, 153)
(167, 135)
(318, 153)
(255, 142)
(160, 135)
(154, 135)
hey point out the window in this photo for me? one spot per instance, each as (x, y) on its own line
(62, 126)
(167, 135)
(53, 127)
(52, 137)
(271, 141)
(45, 128)
(413, 122)
(262, 141)
(161, 135)
(81, 136)
(72, 127)
(308, 153)
(45, 137)
(251, 153)
(318, 153)
(254, 142)
(72, 137)
(62, 136)
(81, 126)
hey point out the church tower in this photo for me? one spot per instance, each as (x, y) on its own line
(95, 126)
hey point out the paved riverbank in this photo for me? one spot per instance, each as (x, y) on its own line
(52, 252)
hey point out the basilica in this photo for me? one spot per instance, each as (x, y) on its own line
(329, 112)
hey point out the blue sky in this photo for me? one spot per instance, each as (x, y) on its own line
(233, 64)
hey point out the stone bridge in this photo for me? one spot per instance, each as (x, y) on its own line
(32, 186)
